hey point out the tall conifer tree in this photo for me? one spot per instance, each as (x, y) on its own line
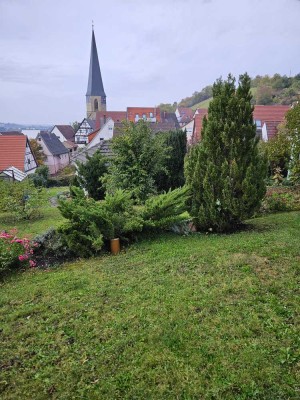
(225, 170)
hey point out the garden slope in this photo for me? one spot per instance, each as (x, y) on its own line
(204, 316)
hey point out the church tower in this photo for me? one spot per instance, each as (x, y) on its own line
(95, 95)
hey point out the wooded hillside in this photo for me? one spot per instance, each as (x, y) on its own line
(266, 90)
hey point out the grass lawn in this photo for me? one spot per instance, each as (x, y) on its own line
(202, 104)
(50, 216)
(205, 103)
(197, 317)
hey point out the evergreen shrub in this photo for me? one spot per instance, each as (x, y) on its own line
(225, 171)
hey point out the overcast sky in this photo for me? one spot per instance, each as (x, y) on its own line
(149, 51)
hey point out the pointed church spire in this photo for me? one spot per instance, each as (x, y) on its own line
(95, 84)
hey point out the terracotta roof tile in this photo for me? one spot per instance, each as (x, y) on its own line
(133, 111)
(11, 133)
(185, 112)
(270, 113)
(103, 116)
(12, 151)
(272, 128)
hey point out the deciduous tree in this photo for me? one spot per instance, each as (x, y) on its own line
(90, 174)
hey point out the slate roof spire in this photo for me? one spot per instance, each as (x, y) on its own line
(95, 84)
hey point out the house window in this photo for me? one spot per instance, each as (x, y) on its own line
(258, 123)
(28, 161)
(96, 105)
(151, 115)
(144, 117)
(137, 116)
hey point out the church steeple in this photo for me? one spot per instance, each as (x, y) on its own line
(95, 95)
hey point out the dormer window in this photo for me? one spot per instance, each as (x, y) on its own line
(258, 123)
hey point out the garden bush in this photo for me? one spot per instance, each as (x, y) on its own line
(15, 252)
(281, 199)
(22, 200)
(91, 223)
(41, 176)
(166, 209)
(51, 249)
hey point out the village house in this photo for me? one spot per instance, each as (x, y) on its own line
(266, 118)
(57, 155)
(184, 115)
(86, 127)
(66, 135)
(16, 157)
(64, 132)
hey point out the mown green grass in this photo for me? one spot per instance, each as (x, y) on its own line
(196, 317)
(49, 217)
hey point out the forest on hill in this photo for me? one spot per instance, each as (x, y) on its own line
(266, 90)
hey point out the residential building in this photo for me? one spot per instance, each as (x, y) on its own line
(86, 127)
(198, 120)
(184, 115)
(103, 116)
(57, 155)
(106, 132)
(16, 154)
(149, 114)
(64, 132)
(266, 118)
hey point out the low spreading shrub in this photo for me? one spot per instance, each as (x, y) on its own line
(91, 223)
(51, 249)
(282, 198)
(15, 252)
(166, 209)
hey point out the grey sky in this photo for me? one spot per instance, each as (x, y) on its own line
(149, 51)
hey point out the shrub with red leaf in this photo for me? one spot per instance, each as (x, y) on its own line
(15, 252)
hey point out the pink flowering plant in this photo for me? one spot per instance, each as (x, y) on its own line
(15, 252)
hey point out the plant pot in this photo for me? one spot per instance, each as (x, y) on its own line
(115, 246)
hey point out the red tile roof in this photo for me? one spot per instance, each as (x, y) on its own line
(272, 128)
(185, 112)
(270, 113)
(272, 116)
(11, 133)
(92, 135)
(133, 111)
(103, 116)
(12, 151)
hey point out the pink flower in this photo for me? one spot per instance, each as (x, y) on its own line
(32, 263)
